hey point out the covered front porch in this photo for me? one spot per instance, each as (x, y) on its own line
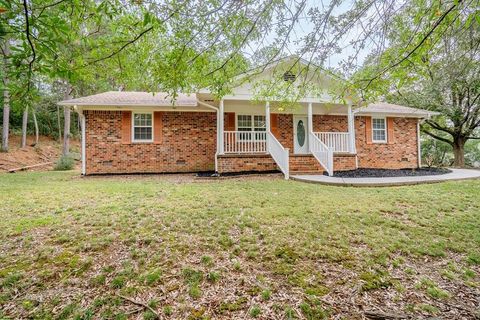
(313, 129)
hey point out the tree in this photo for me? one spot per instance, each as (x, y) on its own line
(443, 76)
(6, 94)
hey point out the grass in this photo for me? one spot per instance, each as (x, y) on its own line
(71, 247)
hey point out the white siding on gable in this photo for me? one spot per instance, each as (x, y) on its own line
(246, 88)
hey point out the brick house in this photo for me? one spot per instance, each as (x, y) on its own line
(140, 132)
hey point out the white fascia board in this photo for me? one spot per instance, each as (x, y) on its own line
(192, 104)
(395, 115)
(249, 97)
(147, 108)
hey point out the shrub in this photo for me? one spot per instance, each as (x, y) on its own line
(64, 163)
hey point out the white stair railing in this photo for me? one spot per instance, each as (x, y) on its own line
(322, 153)
(337, 141)
(278, 153)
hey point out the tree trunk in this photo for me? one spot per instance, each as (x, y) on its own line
(66, 127)
(6, 98)
(37, 135)
(66, 131)
(6, 117)
(59, 124)
(24, 127)
(459, 152)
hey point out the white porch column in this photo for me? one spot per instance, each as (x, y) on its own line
(220, 129)
(351, 129)
(267, 116)
(310, 125)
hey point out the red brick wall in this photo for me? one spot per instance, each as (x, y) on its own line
(188, 144)
(285, 131)
(243, 163)
(327, 123)
(402, 153)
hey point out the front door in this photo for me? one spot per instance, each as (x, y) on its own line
(300, 135)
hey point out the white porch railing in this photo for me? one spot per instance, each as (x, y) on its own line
(278, 153)
(245, 142)
(336, 141)
(322, 153)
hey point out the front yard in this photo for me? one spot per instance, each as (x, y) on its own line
(136, 247)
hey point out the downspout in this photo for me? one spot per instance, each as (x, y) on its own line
(83, 146)
(218, 129)
(419, 148)
(354, 140)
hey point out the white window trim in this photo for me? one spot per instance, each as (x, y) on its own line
(133, 128)
(252, 126)
(386, 130)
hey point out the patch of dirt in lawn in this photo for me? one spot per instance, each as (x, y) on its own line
(47, 150)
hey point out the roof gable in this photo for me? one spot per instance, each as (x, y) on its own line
(291, 73)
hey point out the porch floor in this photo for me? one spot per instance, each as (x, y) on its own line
(456, 174)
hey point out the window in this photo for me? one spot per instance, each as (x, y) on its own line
(379, 130)
(250, 123)
(142, 127)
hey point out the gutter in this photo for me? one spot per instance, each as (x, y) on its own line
(218, 129)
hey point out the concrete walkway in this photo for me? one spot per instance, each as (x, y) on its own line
(456, 174)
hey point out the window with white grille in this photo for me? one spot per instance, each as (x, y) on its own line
(251, 123)
(379, 130)
(142, 127)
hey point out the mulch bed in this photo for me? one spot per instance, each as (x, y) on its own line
(378, 173)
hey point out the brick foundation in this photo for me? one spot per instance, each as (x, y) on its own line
(344, 162)
(304, 164)
(245, 163)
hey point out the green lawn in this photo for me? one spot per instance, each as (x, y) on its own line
(88, 248)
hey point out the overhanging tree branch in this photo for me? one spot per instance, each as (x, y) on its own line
(141, 34)
(429, 33)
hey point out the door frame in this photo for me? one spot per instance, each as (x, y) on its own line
(294, 124)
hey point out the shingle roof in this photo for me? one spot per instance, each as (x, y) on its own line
(131, 98)
(389, 108)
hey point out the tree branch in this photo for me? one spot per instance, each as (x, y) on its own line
(49, 5)
(124, 46)
(437, 137)
(27, 31)
(435, 125)
(429, 33)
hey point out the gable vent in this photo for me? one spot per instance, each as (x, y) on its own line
(289, 76)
